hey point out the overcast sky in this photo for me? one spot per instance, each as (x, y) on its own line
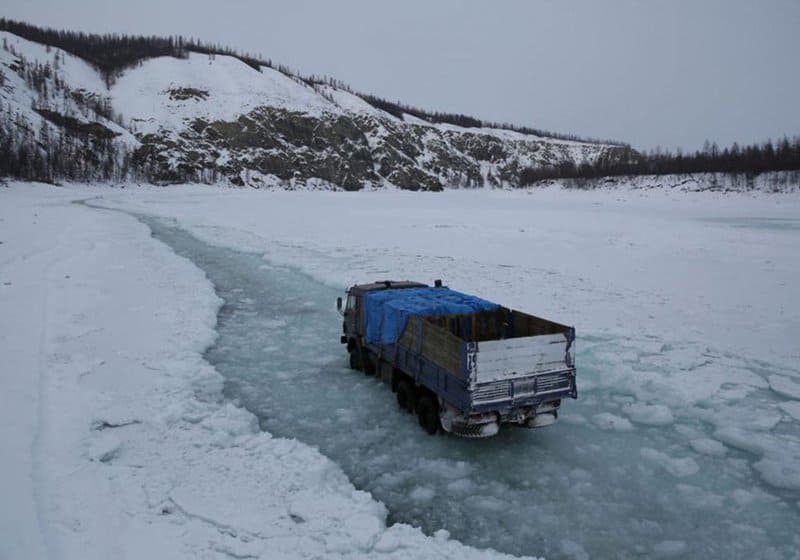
(668, 73)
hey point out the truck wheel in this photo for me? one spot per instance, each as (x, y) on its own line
(369, 366)
(428, 413)
(355, 360)
(406, 395)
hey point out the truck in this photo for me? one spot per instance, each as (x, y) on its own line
(463, 364)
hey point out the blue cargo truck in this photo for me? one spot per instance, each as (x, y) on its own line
(465, 365)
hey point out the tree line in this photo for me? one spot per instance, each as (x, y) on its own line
(752, 159)
(397, 109)
(112, 53)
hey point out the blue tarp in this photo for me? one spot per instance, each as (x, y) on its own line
(386, 312)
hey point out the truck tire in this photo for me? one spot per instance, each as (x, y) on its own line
(368, 365)
(406, 394)
(355, 359)
(428, 413)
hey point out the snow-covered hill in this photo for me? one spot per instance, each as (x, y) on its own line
(213, 117)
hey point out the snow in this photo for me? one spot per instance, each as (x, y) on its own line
(686, 318)
(81, 74)
(354, 104)
(78, 75)
(116, 438)
(233, 88)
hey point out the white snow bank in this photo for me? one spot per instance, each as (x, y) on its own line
(116, 439)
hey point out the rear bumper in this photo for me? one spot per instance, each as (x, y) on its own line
(529, 391)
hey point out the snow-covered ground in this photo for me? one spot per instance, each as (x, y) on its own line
(118, 440)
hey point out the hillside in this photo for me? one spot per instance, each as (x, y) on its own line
(215, 118)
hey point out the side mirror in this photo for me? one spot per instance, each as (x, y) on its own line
(338, 304)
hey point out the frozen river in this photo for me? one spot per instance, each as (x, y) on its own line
(627, 472)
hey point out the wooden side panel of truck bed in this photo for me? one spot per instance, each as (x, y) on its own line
(438, 345)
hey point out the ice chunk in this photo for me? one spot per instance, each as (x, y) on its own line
(573, 550)
(781, 471)
(740, 439)
(786, 386)
(388, 542)
(700, 498)
(608, 421)
(363, 530)
(668, 549)
(487, 503)
(676, 466)
(422, 494)
(230, 422)
(650, 414)
(573, 417)
(104, 447)
(462, 485)
(742, 497)
(708, 446)
(792, 408)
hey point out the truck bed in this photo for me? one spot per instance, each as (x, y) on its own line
(489, 357)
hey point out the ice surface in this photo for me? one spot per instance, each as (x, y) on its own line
(117, 440)
(676, 466)
(650, 414)
(792, 408)
(678, 316)
(609, 421)
(707, 446)
(571, 474)
(785, 386)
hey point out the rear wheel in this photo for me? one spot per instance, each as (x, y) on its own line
(369, 365)
(355, 359)
(406, 394)
(428, 413)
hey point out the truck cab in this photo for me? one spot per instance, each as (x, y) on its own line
(353, 313)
